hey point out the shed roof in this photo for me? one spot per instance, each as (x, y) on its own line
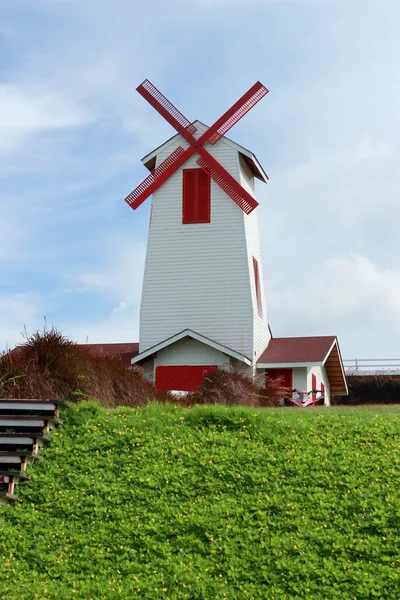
(297, 349)
(307, 351)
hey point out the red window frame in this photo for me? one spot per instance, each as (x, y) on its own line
(196, 196)
(258, 287)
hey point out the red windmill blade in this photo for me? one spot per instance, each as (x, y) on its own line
(158, 176)
(226, 182)
(207, 162)
(234, 114)
(167, 110)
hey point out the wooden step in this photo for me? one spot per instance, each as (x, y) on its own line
(22, 424)
(15, 453)
(27, 401)
(14, 475)
(5, 498)
(21, 435)
(13, 441)
(9, 479)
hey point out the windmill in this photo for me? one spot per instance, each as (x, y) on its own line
(203, 302)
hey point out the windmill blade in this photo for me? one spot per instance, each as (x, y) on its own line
(225, 181)
(167, 110)
(234, 114)
(158, 176)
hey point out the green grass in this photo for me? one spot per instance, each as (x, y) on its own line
(209, 503)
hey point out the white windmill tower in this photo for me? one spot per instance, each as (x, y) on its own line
(203, 303)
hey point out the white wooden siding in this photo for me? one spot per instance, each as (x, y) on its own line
(299, 378)
(190, 352)
(261, 333)
(148, 370)
(199, 276)
(322, 377)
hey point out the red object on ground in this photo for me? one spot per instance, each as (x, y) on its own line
(182, 378)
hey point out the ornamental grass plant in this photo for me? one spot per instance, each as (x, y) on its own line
(48, 365)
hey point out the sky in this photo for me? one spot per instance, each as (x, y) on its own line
(73, 130)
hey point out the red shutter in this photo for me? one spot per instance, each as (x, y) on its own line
(314, 385)
(182, 378)
(196, 196)
(258, 287)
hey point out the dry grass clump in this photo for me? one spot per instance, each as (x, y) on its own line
(236, 387)
(48, 365)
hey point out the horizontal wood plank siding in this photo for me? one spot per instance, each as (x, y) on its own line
(197, 276)
(190, 352)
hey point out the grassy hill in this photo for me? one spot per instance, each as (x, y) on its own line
(209, 503)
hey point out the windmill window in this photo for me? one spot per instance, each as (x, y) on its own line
(257, 286)
(196, 197)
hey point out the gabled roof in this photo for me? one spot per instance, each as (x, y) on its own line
(307, 351)
(149, 160)
(151, 352)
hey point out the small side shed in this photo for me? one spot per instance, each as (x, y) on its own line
(306, 363)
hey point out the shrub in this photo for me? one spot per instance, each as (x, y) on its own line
(49, 365)
(371, 389)
(236, 387)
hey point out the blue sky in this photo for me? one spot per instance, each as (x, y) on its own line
(73, 130)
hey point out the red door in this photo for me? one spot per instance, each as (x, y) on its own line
(314, 385)
(284, 374)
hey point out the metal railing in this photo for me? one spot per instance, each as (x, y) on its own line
(372, 366)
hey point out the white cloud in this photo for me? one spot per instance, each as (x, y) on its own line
(348, 296)
(121, 275)
(26, 109)
(18, 311)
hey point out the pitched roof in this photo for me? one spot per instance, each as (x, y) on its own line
(124, 352)
(318, 350)
(297, 349)
(149, 160)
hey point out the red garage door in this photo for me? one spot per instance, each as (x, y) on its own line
(182, 378)
(284, 374)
